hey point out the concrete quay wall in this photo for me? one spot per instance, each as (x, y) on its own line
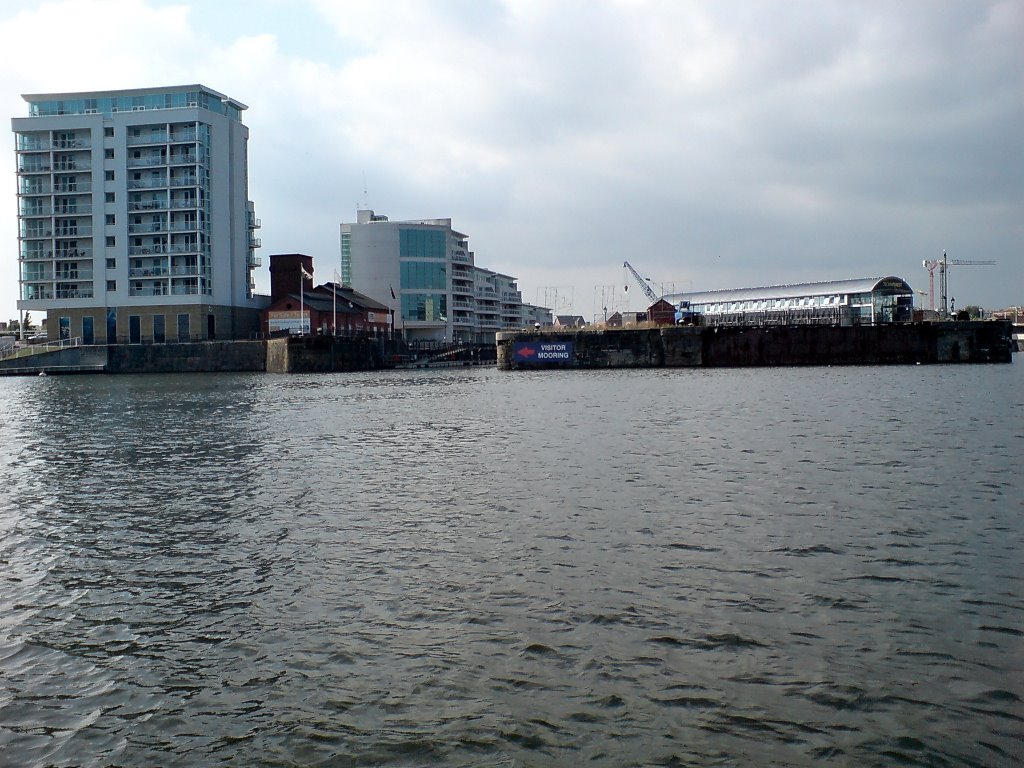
(688, 346)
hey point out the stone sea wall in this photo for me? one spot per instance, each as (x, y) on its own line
(689, 346)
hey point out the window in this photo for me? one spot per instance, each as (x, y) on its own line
(108, 154)
(111, 241)
(111, 285)
(108, 176)
(110, 197)
(111, 263)
(110, 220)
(108, 131)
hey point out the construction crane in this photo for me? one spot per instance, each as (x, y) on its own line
(644, 285)
(943, 267)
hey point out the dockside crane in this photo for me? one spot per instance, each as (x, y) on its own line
(943, 267)
(644, 285)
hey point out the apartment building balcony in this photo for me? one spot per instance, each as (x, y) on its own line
(461, 257)
(184, 181)
(72, 188)
(153, 137)
(78, 142)
(37, 292)
(73, 253)
(255, 242)
(148, 288)
(143, 229)
(147, 205)
(253, 222)
(460, 288)
(146, 162)
(74, 274)
(149, 272)
(182, 158)
(77, 292)
(458, 301)
(81, 230)
(34, 185)
(147, 183)
(35, 233)
(72, 164)
(189, 225)
(30, 164)
(252, 260)
(73, 209)
(43, 143)
(183, 135)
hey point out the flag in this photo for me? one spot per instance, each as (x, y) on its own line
(305, 273)
(393, 292)
(337, 278)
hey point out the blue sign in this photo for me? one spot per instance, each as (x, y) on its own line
(542, 352)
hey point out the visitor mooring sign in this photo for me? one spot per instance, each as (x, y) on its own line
(542, 352)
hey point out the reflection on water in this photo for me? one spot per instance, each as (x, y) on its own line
(470, 567)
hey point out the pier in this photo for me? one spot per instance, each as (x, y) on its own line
(735, 346)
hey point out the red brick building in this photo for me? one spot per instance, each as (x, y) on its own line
(298, 306)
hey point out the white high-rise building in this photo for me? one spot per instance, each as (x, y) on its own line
(424, 270)
(134, 218)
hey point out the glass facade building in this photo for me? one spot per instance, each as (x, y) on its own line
(424, 269)
(133, 212)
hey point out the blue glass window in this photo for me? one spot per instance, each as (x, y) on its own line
(421, 243)
(425, 306)
(419, 275)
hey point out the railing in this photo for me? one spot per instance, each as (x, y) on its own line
(147, 183)
(149, 272)
(153, 138)
(76, 188)
(144, 162)
(85, 293)
(141, 229)
(35, 349)
(187, 181)
(33, 167)
(148, 205)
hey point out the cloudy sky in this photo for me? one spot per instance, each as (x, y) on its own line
(713, 145)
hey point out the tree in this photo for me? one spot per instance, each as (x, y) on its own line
(28, 321)
(974, 312)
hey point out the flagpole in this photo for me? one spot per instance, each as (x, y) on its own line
(302, 302)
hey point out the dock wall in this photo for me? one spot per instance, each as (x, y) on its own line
(689, 346)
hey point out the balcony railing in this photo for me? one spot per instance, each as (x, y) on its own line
(159, 137)
(180, 137)
(142, 229)
(72, 165)
(145, 162)
(184, 181)
(73, 253)
(83, 209)
(74, 188)
(149, 272)
(24, 167)
(147, 205)
(74, 293)
(74, 274)
(147, 183)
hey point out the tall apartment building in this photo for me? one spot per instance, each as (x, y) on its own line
(425, 271)
(134, 218)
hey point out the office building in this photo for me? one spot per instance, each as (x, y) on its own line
(134, 218)
(424, 270)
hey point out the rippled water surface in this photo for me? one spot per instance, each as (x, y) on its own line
(477, 568)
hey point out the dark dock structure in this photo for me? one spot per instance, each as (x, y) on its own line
(779, 345)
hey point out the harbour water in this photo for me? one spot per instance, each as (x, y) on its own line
(467, 567)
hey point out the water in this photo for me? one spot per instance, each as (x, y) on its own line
(479, 568)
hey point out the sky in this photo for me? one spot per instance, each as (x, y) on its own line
(712, 145)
